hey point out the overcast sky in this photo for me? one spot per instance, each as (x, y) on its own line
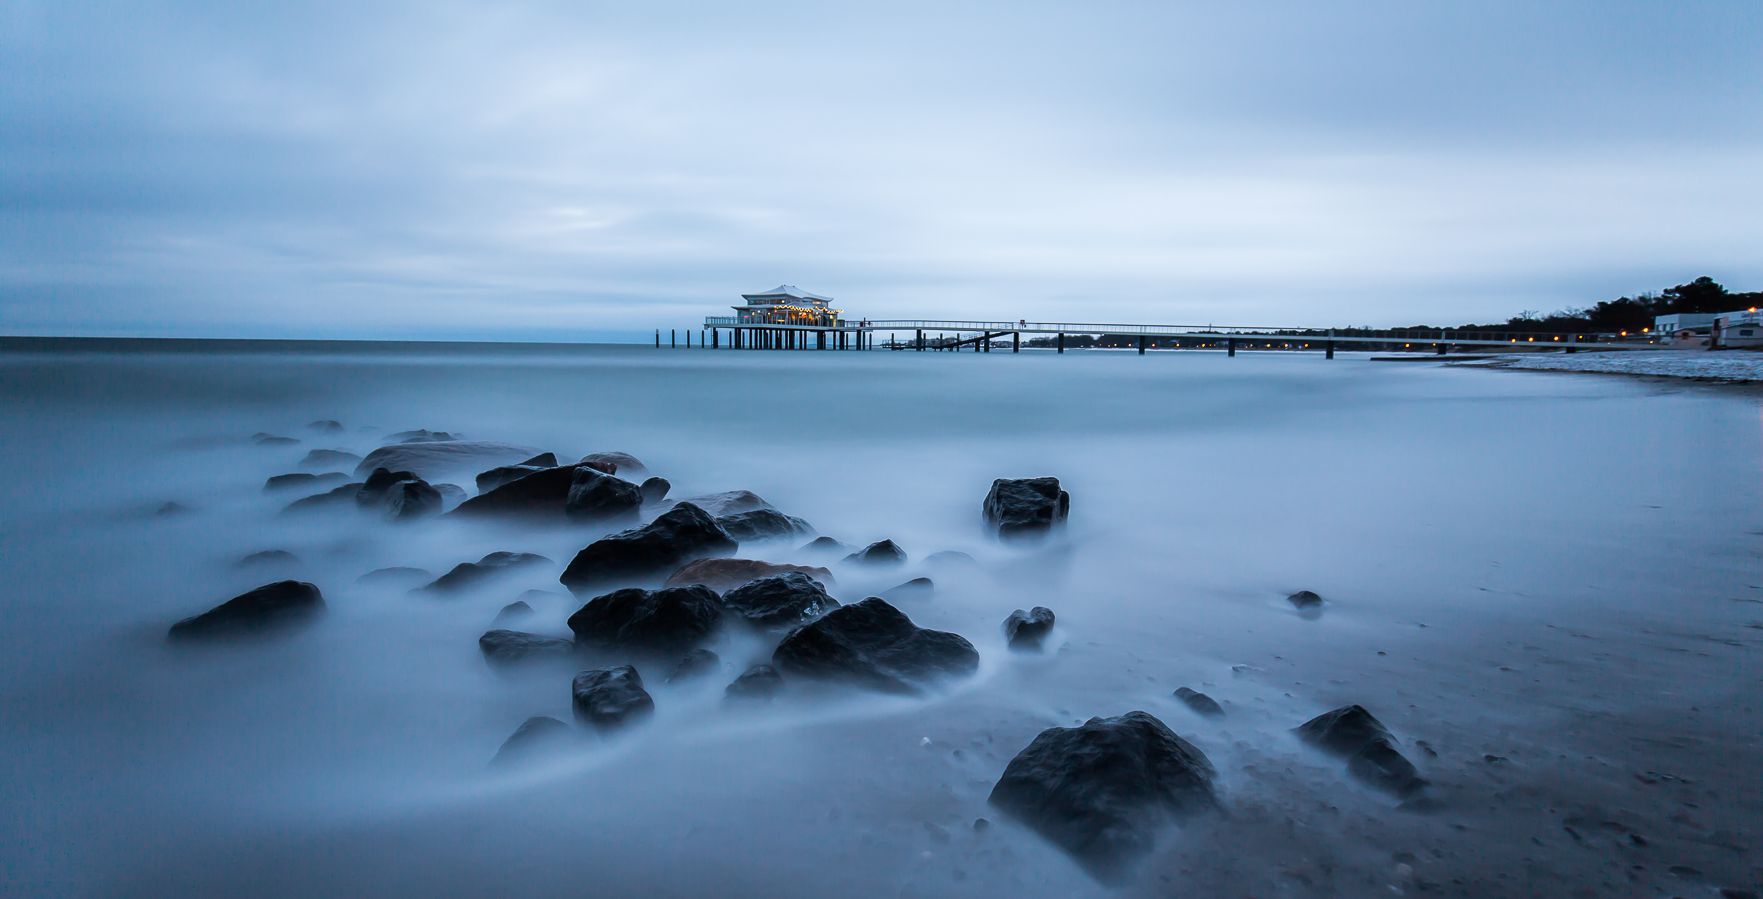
(580, 170)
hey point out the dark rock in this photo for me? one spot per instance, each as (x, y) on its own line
(1344, 731)
(269, 557)
(731, 502)
(872, 644)
(881, 552)
(594, 496)
(422, 435)
(269, 607)
(825, 546)
(505, 648)
(1103, 791)
(1304, 599)
(440, 460)
(779, 601)
(171, 508)
(599, 465)
(668, 621)
(540, 492)
(1380, 764)
(326, 426)
(410, 500)
(542, 460)
(451, 494)
(467, 574)
(496, 477)
(726, 574)
(654, 490)
(1026, 507)
(328, 458)
(950, 558)
(695, 664)
(536, 737)
(1199, 702)
(609, 699)
(262, 439)
(1026, 630)
(620, 462)
(303, 480)
(513, 612)
(763, 524)
(684, 533)
(757, 684)
(373, 490)
(394, 574)
(917, 588)
(339, 497)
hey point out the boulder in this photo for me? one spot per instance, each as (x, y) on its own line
(538, 736)
(726, 574)
(1200, 703)
(505, 648)
(872, 644)
(757, 684)
(373, 490)
(541, 492)
(1383, 766)
(262, 439)
(763, 524)
(489, 480)
(1103, 791)
(684, 533)
(269, 557)
(951, 559)
(329, 458)
(620, 462)
(326, 426)
(451, 494)
(1024, 631)
(398, 495)
(668, 621)
(542, 460)
(303, 481)
(917, 588)
(468, 574)
(1355, 734)
(421, 435)
(270, 607)
(779, 601)
(514, 612)
(341, 496)
(731, 502)
(825, 546)
(881, 552)
(609, 699)
(694, 665)
(1026, 507)
(399, 573)
(594, 496)
(1304, 599)
(654, 490)
(442, 458)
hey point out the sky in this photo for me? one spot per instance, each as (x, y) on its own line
(586, 170)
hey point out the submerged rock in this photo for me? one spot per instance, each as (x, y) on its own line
(825, 546)
(594, 496)
(609, 699)
(1103, 791)
(874, 645)
(731, 502)
(170, 508)
(514, 612)
(662, 622)
(422, 435)
(504, 648)
(684, 533)
(303, 480)
(269, 557)
(1200, 703)
(1024, 631)
(779, 601)
(693, 665)
(394, 574)
(536, 737)
(503, 474)
(951, 559)
(881, 552)
(763, 524)
(618, 462)
(726, 574)
(917, 588)
(398, 495)
(270, 607)
(326, 426)
(328, 458)
(468, 574)
(1355, 734)
(262, 439)
(1304, 599)
(1380, 764)
(757, 684)
(654, 490)
(342, 496)
(442, 458)
(1026, 507)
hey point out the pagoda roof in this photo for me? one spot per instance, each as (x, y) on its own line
(786, 291)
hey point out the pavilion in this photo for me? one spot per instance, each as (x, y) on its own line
(787, 304)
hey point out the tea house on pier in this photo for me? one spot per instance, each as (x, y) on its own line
(787, 304)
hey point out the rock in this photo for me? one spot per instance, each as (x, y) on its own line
(270, 607)
(326, 426)
(763, 524)
(599, 466)
(398, 573)
(732, 502)
(575, 491)
(342, 496)
(1026, 507)
(825, 546)
(1199, 702)
(881, 552)
(514, 612)
(620, 462)
(442, 458)
(542, 460)
(1353, 733)
(726, 574)
(1380, 764)
(269, 557)
(304, 480)
(668, 621)
(917, 588)
(451, 494)
(684, 533)
(1025, 630)
(779, 601)
(373, 490)
(468, 574)
(1304, 599)
(170, 508)
(610, 699)
(505, 648)
(262, 439)
(654, 490)
(951, 559)
(872, 644)
(695, 664)
(422, 435)
(496, 477)
(328, 458)
(1103, 791)
(537, 736)
(399, 495)
(757, 684)
(594, 496)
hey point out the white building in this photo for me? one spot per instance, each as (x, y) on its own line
(1685, 330)
(1739, 330)
(787, 304)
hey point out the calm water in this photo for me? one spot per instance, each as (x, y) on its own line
(1551, 581)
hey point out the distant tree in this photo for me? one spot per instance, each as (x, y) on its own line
(1701, 295)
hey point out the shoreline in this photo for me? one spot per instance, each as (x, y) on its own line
(1729, 368)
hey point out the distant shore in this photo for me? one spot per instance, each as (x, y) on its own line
(1734, 366)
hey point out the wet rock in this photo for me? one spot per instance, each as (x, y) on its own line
(779, 601)
(825, 546)
(535, 492)
(270, 607)
(268, 558)
(1304, 599)
(609, 699)
(513, 613)
(694, 665)
(542, 460)
(1024, 631)
(340, 497)
(301, 480)
(1105, 790)
(469, 574)
(654, 490)
(684, 533)
(1380, 764)
(881, 552)
(171, 508)
(763, 524)
(538, 736)
(1200, 703)
(395, 574)
(373, 490)
(398, 495)
(441, 459)
(1353, 733)
(951, 559)
(726, 574)
(732, 502)
(594, 496)
(757, 684)
(668, 621)
(620, 462)
(326, 426)
(1026, 507)
(329, 458)
(262, 439)
(874, 645)
(451, 494)
(917, 588)
(506, 648)
(599, 466)
(422, 435)
(503, 474)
